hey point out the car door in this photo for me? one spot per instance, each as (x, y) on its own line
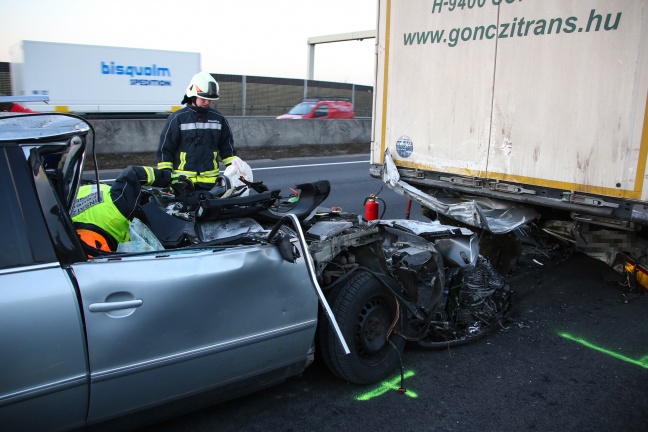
(322, 111)
(170, 324)
(43, 368)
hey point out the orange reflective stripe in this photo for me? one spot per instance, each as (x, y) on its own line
(93, 239)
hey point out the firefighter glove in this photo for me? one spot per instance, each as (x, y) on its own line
(162, 178)
(182, 182)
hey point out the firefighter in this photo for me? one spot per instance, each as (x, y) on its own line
(104, 224)
(196, 136)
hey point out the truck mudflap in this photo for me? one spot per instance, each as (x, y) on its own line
(491, 214)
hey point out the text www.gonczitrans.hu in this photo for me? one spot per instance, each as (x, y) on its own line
(519, 27)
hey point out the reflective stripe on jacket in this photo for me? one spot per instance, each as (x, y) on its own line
(192, 141)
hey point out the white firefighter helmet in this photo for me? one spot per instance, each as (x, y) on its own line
(204, 86)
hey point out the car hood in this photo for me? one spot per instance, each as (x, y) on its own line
(290, 116)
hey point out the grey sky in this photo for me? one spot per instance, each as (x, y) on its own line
(247, 37)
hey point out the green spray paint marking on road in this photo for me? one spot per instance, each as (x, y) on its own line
(643, 362)
(386, 386)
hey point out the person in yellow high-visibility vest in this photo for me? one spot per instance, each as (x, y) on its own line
(103, 224)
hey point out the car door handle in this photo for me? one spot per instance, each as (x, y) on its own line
(112, 306)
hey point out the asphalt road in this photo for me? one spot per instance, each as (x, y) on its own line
(574, 359)
(350, 181)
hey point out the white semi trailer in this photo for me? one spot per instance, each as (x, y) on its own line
(101, 79)
(499, 112)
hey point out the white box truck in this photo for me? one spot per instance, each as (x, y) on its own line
(101, 79)
(499, 112)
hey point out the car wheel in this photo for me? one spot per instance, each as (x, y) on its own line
(365, 312)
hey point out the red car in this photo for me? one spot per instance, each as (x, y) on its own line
(321, 108)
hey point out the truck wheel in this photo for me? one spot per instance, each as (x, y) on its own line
(365, 311)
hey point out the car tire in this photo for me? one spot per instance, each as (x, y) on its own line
(365, 311)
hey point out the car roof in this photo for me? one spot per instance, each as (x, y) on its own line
(325, 99)
(20, 126)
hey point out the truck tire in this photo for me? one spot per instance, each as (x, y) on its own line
(365, 311)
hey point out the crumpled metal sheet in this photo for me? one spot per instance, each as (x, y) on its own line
(418, 227)
(493, 215)
(484, 299)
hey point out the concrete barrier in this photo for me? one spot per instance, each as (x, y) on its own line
(131, 136)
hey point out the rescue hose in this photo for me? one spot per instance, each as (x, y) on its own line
(402, 388)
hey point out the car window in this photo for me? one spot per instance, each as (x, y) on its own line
(301, 109)
(22, 237)
(14, 251)
(322, 111)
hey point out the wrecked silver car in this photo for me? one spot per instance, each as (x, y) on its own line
(213, 297)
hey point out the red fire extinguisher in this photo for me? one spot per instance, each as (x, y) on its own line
(371, 208)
